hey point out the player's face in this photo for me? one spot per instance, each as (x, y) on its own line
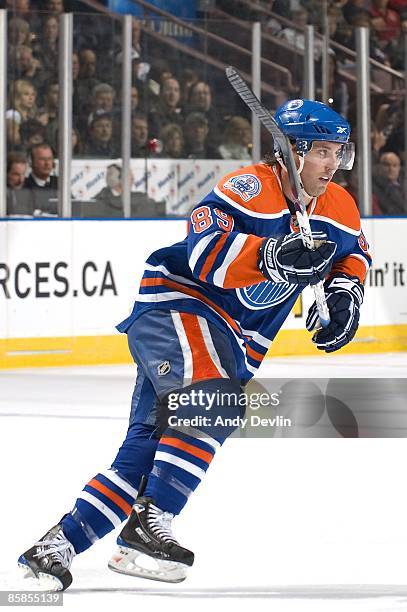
(320, 164)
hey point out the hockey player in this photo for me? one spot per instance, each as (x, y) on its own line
(208, 309)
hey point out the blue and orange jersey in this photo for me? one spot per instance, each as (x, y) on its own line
(214, 272)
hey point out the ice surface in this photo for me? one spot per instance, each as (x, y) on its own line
(284, 525)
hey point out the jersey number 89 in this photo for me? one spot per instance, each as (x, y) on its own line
(201, 219)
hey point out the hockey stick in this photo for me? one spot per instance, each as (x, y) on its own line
(297, 208)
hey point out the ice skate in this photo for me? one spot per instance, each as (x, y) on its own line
(148, 548)
(49, 560)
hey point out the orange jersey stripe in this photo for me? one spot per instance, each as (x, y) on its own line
(203, 366)
(119, 501)
(188, 448)
(254, 354)
(244, 270)
(151, 282)
(352, 266)
(212, 256)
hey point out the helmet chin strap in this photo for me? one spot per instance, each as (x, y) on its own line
(303, 194)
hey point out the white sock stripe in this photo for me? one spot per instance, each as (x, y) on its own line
(199, 435)
(181, 463)
(116, 479)
(99, 505)
(203, 324)
(186, 350)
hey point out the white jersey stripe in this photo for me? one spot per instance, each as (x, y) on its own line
(246, 211)
(340, 226)
(166, 272)
(233, 251)
(203, 324)
(358, 256)
(115, 478)
(200, 247)
(94, 501)
(186, 349)
(257, 337)
(181, 463)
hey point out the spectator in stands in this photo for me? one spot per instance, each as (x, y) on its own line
(201, 101)
(135, 99)
(46, 49)
(41, 181)
(296, 37)
(48, 114)
(352, 8)
(378, 140)
(172, 138)
(390, 119)
(109, 201)
(159, 72)
(352, 187)
(24, 65)
(103, 98)
(49, 111)
(23, 96)
(18, 32)
(188, 78)
(139, 135)
(387, 186)
(77, 145)
(168, 109)
(56, 7)
(87, 74)
(236, 140)
(385, 22)
(75, 92)
(18, 199)
(100, 141)
(32, 133)
(196, 134)
(22, 9)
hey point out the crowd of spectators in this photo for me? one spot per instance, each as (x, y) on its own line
(176, 113)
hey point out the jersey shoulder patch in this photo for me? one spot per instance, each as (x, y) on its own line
(254, 188)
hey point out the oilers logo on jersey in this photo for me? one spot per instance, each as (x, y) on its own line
(264, 295)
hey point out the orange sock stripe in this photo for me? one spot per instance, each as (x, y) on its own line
(203, 366)
(119, 501)
(188, 448)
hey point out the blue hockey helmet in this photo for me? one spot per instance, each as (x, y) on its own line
(304, 121)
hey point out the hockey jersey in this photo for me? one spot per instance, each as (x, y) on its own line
(214, 272)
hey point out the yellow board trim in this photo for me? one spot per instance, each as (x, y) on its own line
(94, 350)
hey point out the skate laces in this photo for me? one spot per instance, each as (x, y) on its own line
(59, 549)
(160, 524)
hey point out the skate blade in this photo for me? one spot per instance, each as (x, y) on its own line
(42, 582)
(134, 563)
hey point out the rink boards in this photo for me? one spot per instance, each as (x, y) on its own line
(65, 284)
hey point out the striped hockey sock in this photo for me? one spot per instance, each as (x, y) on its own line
(104, 503)
(180, 463)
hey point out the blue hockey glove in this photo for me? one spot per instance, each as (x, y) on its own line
(287, 260)
(344, 296)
